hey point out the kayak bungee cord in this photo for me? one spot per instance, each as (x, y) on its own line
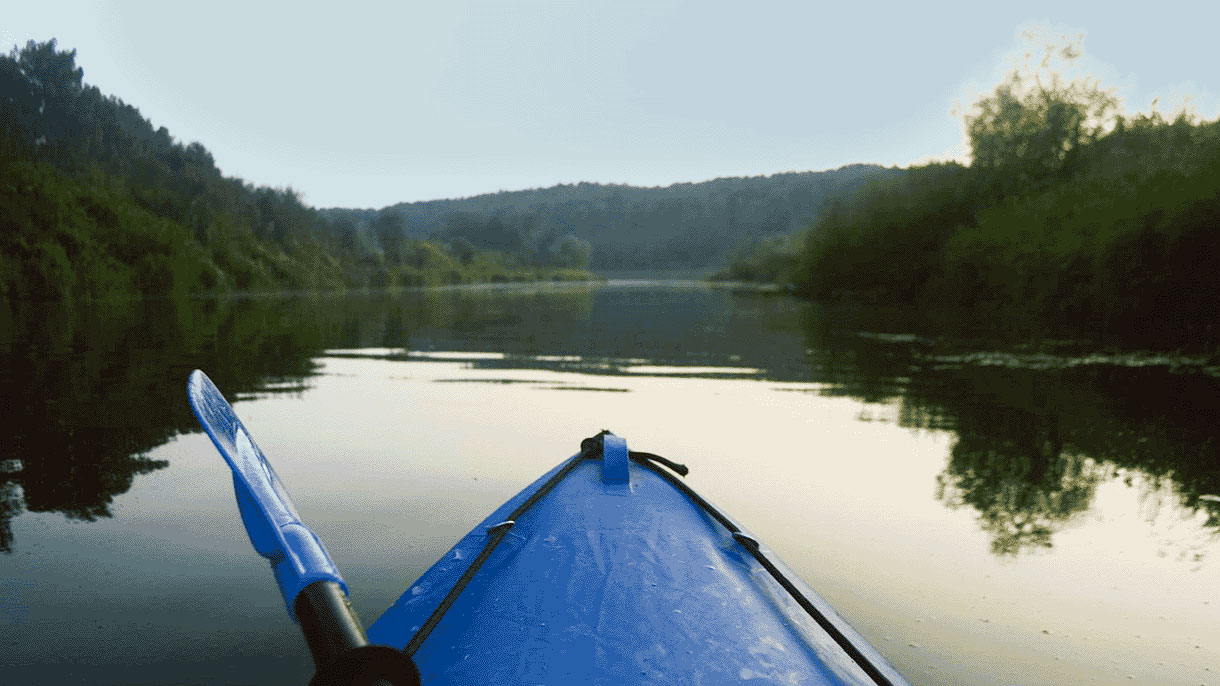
(592, 448)
(752, 546)
(494, 535)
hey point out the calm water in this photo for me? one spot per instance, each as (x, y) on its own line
(984, 513)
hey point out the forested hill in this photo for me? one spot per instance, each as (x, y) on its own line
(97, 202)
(686, 225)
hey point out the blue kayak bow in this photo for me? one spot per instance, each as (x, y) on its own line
(313, 590)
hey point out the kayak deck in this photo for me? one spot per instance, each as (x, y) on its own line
(613, 574)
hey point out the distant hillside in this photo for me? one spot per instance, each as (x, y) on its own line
(96, 203)
(628, 227)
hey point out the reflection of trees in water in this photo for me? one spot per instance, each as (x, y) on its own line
(92, 390)
(1032, 444)
(11, 505)
(1020, 480)
(1010, 462)
(83, 410)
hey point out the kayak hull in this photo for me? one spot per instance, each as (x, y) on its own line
(614, 575)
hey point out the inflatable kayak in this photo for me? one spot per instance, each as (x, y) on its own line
(609, 569)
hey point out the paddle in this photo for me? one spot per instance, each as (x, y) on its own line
(313, 590)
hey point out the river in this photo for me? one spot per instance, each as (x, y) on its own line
(1040, 512)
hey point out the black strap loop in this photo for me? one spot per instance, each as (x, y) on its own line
(677, 467)
(591, 447)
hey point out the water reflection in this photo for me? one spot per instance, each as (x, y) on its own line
(1024, 486)
(1037, 433)
(1051, 437)
(90, 393)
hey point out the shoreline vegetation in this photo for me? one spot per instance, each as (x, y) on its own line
(98, 204)
(1072, 218)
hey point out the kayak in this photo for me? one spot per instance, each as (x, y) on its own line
(609, 569)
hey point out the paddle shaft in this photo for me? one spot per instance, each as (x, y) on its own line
(340, 648)
(328, 621)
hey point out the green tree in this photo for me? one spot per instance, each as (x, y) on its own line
(571, 252)
(390, 230)
(1027, 130)
(96, 202)
(463, 249)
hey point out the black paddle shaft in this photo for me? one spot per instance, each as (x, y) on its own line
(339, 646)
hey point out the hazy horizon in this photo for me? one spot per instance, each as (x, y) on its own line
(366, 106)
(609, 184)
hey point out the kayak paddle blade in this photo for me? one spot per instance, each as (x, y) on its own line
(297, 556)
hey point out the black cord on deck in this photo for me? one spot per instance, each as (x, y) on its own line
(751, 546)
(494, 536)
(680, 469)
(591, 448)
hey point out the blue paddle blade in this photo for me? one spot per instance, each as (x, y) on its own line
(297, 556)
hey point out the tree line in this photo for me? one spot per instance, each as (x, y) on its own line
(622, 227)
(96, 202)
(1071, 217)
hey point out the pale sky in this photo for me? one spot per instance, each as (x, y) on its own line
(360, 104)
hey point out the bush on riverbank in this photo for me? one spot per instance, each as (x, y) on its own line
(1070, 217)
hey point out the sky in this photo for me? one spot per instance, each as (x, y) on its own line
(357, 104)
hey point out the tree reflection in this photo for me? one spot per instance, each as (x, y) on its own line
(1014, 471)
(1035, 433)
(92, 391)
(11, 505)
